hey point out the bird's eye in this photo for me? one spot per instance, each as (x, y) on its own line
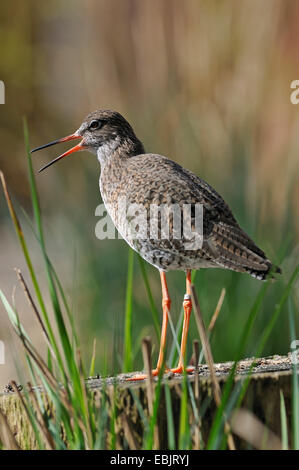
(95, 124)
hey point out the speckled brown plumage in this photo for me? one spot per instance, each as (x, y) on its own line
(145, 178)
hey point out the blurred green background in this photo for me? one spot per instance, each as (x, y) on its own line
(206, 83)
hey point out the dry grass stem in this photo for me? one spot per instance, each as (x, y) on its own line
(252, 430)
(210, 361)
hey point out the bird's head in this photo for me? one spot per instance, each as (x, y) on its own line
(101, 132)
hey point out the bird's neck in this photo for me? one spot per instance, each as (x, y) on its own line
(120, 148)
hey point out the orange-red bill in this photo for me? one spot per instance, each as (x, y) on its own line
(68, 152)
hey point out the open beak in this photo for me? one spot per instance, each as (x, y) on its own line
(78, 147)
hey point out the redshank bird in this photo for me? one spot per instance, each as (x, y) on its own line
(149, 181)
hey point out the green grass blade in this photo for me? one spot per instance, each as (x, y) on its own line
(154, 310)
(113, 421)
(184, 429)
(284, 424)
(218, 420)
(63, 334)
(269, 328)
(149, 439)
(278, 308)
(57, 281)
(25, 251)
(141, 411)
(37, 217)
(128, 363)
(264, 339)
(93, 359)
(13, 316)
(169, 416)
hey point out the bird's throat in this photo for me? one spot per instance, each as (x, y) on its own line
(119, 149)
(108, 150)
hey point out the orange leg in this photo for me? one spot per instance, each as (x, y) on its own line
(166, 307)
(187, 304)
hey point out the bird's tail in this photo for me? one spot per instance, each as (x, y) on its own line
(269, 273)
(236, 251)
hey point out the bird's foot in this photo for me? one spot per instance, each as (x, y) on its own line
(155, 372)
(180, 370)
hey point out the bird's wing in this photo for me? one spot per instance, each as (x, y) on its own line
(224, 240)
(166, 181)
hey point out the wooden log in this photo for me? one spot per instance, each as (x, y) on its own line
(270, 376)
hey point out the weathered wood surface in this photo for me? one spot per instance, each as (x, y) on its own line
(270, 376)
